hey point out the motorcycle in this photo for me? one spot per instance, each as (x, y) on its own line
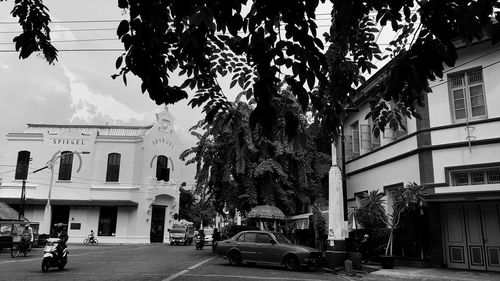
(199, 242)
(51, 256)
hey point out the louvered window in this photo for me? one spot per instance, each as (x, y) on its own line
(467, 95)
(66, 165)
(355, 139)
(113, 172)
(23, 159)
(162, 170)
(476, 176)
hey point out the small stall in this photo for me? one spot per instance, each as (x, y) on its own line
(11, 227)
(267, 217)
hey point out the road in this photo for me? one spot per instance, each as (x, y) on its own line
(150, 262)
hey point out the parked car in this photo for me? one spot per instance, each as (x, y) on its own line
(231, 230)
(268, 248)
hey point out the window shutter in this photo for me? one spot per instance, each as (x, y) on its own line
(23, 160)
(348, 147)
(365, 136)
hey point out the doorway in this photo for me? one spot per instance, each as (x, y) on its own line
(157, 224)
(60, 214)
(472, 235)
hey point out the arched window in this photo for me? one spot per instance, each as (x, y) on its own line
(162, 170)
(66, 165)
(113, 172)
(23, 161)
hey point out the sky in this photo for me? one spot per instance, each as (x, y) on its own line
(78, 88)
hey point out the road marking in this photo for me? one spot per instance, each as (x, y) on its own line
(172, 277)
(74, 255)
(252, 277)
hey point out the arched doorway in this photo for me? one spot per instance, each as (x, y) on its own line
(158, 213)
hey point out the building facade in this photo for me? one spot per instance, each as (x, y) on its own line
(122, 182)
(454, 150)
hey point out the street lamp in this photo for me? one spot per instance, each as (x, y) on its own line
(45, 225)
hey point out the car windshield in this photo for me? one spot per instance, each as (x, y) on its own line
(208, 231)
(281, 238)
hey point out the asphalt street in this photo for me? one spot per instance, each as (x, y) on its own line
(151, 262)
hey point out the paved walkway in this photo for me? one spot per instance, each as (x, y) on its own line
(437, 274)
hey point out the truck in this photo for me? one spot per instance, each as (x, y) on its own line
(181, 233)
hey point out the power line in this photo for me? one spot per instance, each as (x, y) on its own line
(72, 40)
(67, 30)
(484, 67)
(75, 50)
(68, 21)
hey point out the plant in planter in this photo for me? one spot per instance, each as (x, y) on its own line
(403, 199)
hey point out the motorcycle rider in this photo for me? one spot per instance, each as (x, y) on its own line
(201, 238)
(61, 233)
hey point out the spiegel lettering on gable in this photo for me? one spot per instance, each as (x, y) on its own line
(60, 141)
(163, 141)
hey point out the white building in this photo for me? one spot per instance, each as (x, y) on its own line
(120, 181)
(454, 150)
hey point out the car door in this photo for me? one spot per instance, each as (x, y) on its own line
(246, 245)
(265, 250)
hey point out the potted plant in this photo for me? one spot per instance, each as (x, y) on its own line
(403, 199)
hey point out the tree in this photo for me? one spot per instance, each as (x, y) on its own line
(372, 211)
(238, 169)
(186, 202)
(206, 38)
(199, 211)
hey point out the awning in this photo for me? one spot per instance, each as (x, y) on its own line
(299, 221)
(72, 202)
(7, 213)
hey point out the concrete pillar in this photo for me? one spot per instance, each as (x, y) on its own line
(337, 227)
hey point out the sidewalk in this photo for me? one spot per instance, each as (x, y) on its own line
(437, 274)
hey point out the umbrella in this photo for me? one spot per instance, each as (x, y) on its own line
(266, 212)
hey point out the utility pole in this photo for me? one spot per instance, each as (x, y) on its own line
(23, 200)
(47, 215)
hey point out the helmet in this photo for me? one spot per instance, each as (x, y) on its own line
(27, 225)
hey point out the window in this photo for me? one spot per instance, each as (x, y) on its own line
(107, 221)
(66, 165)
(262, 238)
(23, 161)
(467, 95)
(162, 170)
(250, 237)
(355, 139)
(113, 171)
(476, 176)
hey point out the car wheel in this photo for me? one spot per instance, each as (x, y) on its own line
(234, 258)
(292, 262)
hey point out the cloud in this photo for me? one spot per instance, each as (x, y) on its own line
(93, 107)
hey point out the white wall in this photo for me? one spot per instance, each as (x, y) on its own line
(439, 103)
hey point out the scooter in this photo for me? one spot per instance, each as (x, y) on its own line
(51, 256)
(199, 242)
